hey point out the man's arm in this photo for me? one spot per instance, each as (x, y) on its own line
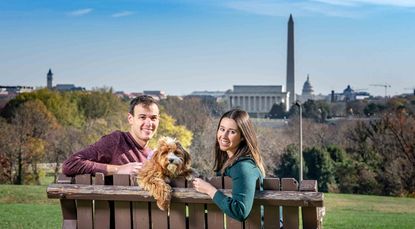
(94, 158)
(97, 158)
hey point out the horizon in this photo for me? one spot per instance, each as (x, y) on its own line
(181, 46)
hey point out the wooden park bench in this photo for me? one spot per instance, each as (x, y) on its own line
(87, 202)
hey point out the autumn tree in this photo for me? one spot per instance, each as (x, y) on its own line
(387, 146)
(32, 122)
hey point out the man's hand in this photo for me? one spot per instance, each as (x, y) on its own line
(130, 168)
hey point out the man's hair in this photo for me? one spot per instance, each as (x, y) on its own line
(145, 100)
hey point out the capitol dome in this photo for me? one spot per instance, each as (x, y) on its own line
(307, 88)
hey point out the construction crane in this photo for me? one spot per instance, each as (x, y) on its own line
(383, 85)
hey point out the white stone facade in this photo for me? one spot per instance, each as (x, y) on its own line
(257, 100)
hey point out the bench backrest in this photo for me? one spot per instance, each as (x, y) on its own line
(93, 204)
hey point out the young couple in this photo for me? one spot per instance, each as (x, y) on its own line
(236, 155)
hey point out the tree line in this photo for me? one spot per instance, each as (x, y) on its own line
(371, 152)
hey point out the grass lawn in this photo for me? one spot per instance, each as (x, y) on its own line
(364, 211)
(26, 206)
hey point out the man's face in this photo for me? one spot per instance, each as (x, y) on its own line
(144, 123)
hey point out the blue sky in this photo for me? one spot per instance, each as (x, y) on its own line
(180, 46)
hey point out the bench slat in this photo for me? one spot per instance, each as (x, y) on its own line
(102, 207)
(290, 214)
(177, 217)
(122, 212)
(230, 222)
(84, 207)
(309, 214)
(197, 215)
(271, 213)
(215, 217)
(158, 217)
(141, 217)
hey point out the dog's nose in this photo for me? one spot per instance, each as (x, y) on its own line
(171, 160)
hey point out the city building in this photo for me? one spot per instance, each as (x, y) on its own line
(60, 87)
(348, 94)
(257, 100)
(158, 95)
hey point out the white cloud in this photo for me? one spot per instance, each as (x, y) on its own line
(122, 14)
(80, 12)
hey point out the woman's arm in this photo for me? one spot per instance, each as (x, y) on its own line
(244, 176)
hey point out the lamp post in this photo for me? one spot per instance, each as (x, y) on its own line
(301, 138)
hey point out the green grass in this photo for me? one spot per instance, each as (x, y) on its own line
(27, 206)
(364, 211)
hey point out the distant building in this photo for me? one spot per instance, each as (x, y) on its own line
(60, 87)
(68, 87)
(49, 79)
(216, 94)
(158, 95)
(307, 92)
(15, 89)
(348, 94)
(257, 100)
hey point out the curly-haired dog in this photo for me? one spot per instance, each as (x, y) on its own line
(169, 160)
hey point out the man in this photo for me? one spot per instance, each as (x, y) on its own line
(120, 152)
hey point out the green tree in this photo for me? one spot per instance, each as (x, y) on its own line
(289, 163)
(59, 104)
(168, 127)
(319, 167)
(277, 111)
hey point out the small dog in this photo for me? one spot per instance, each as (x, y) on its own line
(169, 160)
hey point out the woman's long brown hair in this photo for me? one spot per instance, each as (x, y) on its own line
(248, 146)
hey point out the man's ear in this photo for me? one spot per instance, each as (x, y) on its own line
(130, 118)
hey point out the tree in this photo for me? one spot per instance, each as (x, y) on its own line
(289, 163)
(61, 105)
(8, 146)
(277, 111)
(168, 127)
(32, 122)
(192, 112)
(387, 146)
(319, 167)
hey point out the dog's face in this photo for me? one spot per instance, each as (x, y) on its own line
(171, 156)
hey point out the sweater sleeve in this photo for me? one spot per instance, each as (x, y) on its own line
(244, 176)
(92, 159)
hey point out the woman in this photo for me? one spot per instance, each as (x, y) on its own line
(237, 156)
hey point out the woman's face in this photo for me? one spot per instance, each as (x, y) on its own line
(228, 136)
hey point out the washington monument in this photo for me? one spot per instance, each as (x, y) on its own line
(290, 62)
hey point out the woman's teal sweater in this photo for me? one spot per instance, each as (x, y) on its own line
(244, 173)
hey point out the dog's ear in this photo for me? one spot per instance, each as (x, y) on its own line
(186, 154)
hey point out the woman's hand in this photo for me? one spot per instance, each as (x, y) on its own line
(204, 187)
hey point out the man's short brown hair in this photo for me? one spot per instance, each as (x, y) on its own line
(145, 100)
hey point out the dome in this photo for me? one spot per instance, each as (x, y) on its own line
(307, 88)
